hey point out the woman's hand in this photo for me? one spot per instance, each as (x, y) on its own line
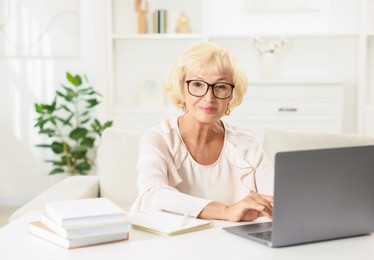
(253, 206)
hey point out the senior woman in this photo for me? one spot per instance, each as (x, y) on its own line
(196, 163)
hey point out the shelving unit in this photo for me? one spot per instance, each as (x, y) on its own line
(332, 60)
(154, 36)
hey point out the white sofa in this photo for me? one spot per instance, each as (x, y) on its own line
(117, 156)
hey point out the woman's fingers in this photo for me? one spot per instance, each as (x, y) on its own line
(251, 215)
(253, 206)
(261, 203)
(267, 197)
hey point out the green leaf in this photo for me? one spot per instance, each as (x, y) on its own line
(58, 93)
(85, 90)
(85, 113)
(66, 121)
(57, 147)
(98, 128)
(39, 108)
(78, 133)
(49, 132)
(108, 124)
(68, 96)
(78, 149)
(52, 119)
(57, 170)
(40, 121)
(43, 145)
(92, 102)
(97, 123)
(48, 109)
(75, 80)
(79, 152)
(66, 159)
(83, 166)
(88, 142)
(65, 107)
(85, 121)
(53, 105)
(92, 92)
(57, 163)
(70, 93)
(67, 89)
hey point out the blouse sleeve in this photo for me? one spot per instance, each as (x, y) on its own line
(160, 157)
(247, 152)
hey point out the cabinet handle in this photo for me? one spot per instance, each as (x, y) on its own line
(287, 109)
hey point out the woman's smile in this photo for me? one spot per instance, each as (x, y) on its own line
(207, 109)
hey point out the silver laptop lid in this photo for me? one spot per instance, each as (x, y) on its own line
(323, 194)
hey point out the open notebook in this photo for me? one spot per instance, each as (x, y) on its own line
(166, 223)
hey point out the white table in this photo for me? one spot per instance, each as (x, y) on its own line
(213, 243)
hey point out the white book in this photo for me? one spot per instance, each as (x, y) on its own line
(166, 223)
(94, 211)
(85, 230)
(41, 231)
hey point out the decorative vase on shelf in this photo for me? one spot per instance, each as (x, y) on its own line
(267, 66)
(267, 51)
(183, 24)
(142, 9)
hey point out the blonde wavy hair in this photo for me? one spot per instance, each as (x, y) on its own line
(210, 58)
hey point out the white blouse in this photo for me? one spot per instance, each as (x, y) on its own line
(170, 179)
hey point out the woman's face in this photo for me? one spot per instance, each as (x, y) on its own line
(207, 108)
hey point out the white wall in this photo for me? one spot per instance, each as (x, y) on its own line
(24, 81)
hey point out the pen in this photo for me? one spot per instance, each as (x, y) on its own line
(185, 219)
(185, 216)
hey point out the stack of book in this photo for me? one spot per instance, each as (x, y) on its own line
(160, 21)
(82, 222)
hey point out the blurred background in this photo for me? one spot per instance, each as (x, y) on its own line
(310, 65)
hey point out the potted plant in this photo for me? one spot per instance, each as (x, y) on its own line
(71, 126)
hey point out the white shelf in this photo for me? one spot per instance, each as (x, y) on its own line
(154, 36)
(286, 35)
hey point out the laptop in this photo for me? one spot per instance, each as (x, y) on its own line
(319, 194)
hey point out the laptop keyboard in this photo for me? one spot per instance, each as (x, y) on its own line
(265, 235)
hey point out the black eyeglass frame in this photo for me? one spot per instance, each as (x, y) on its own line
(209, 85)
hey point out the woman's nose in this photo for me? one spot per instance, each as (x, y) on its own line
(209, 95)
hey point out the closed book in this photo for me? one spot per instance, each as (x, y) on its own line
(74, 213)
(85, 230)
(166, 223)
(41, 231)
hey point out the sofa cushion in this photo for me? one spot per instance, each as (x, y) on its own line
(276, 140)
(117, 156)
(72, 187)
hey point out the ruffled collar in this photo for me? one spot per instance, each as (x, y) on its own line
(232, 148)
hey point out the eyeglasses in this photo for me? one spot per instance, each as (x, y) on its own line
(199, 88)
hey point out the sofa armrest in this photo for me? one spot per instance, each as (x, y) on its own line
(74, 187)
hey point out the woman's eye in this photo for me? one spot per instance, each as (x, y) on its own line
(221, 86)
(197, 84)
